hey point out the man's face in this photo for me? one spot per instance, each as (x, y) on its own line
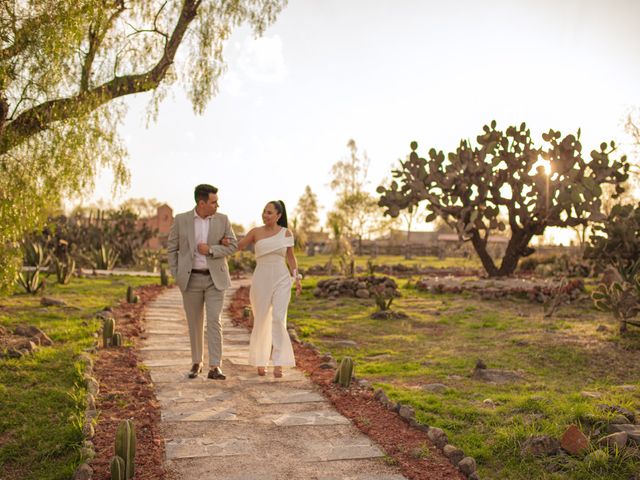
(211, 205)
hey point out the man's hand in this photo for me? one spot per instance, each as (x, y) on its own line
(203, 249)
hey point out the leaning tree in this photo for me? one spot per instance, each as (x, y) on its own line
(502, 181)
(65, 65)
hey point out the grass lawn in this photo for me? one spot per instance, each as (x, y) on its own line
(42, 397)
(441, 341)
(305, 261)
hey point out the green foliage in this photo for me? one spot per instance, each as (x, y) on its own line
(616, 241)
(344, 373)
(474, 189)
(31, 281)
(35, 256)
(64, 65)
(43, 396)
(126, 446)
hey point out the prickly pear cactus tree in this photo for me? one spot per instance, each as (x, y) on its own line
(501, 184)
(616, 241)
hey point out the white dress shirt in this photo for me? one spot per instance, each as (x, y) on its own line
(202, 234)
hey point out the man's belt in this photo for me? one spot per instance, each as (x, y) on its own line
(200, 271)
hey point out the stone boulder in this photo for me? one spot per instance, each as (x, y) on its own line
(541, 445)
(573, 441)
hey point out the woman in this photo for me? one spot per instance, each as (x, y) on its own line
(271, 289)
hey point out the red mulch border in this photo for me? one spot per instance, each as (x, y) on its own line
(404, 444)
(126, 391)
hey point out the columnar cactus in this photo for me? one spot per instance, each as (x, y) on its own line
(164, 278)
(116, 340)
(130, 296)
(126, 446)
(108, 329)
(344, 373)
(117, 468)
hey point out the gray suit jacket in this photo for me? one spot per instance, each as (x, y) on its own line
(181, 248)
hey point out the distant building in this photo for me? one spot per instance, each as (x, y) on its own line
(161, 224)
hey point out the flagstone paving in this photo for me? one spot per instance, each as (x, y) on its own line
(247, 427)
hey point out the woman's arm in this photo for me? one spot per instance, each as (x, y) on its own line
(247, 240)
(293, 268)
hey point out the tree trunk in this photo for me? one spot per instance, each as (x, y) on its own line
(481, 249)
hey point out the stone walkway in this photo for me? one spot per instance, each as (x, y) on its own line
(247, 427)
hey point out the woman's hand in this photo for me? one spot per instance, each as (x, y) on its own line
(298, 287)
(226, 241)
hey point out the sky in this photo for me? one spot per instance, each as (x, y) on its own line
(384, 73)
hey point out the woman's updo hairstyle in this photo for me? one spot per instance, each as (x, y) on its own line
(280, 208)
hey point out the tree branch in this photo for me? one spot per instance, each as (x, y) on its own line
(38, 118)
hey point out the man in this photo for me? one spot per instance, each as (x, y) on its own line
(198, 262)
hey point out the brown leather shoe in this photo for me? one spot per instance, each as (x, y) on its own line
(195, 370)
(216, 374)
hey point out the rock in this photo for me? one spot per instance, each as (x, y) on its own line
(573, 441)
(487, 402)
(454, 454)
(406, 412)
(602, 328)
(104, 314)
(591, 394)
(29, 346)
(88, 430)
(615, 440)
(92, 385)
(383, 399)
(618, 409)
(473, 476)
(344, 343)
(633, 431)
(434, 387)
(438, 437)
(327, 357)
(3, 331)
(619, 419)
(364, 383)
(328, 365)
(628, 388)
(467, 465)
(84, 472)
(362, 293)
(34, 332)
(541, 445)
(497, 376)
(91, 402)
(52, 302)
(480, 365)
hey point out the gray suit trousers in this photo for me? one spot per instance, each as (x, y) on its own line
(201, 291)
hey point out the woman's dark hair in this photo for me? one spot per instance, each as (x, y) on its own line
(202, 192)
(279, 206)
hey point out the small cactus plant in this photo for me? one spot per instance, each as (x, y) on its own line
(116, 340)
(126, 446)
(246, 312)
(344, 373)
(117, 468)
(108, 329)
(164, 278)
(622, 299)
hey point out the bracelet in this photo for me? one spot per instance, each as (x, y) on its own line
(296, 275)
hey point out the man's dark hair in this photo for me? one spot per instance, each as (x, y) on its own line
(202, 192)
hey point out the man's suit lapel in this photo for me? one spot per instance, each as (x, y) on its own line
(191, 231)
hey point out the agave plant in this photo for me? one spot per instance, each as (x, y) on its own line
(104, 258)
(64, 269)
(31, 281)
